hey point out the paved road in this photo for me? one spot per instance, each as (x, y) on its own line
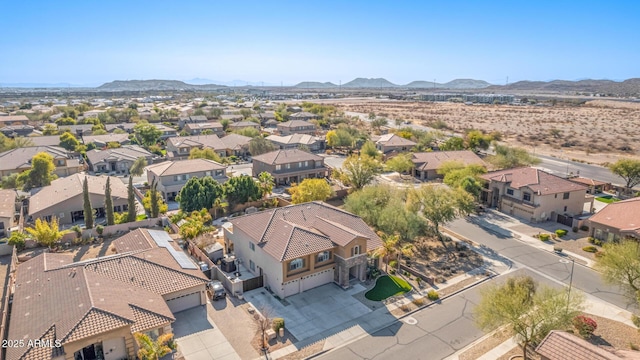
(562, 167)
(545, 262)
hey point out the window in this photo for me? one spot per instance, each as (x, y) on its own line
(509, 191)
(278, 167)
(207, 173)
(60, 162)
(154, 334)
(565, 208)
(324, 256)
(306, 163)
(252, 246)
(287, 166)
(355, 250)
(125, 207)
(300, 164)
(296, 264)
(565, 196)
(219, 173)
(252, 265)
(526, 196)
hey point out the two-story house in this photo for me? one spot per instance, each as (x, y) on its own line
(300, 247)
(179, 147)
(392, 142)
(166, 131)
(296, 127)
(304, 116)
(92, 309)
(118, 160)
(103, 140)
(313, 143)
(243, 125)
(171, 176)
(198, 128)
(534, 195)
(290, 166)
(9, 120)
(19, 160)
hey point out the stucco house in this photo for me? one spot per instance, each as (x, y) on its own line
(616, 221)
(243, 125)
(103, 140)
(296, 127)
(198, 128)
(118, 160)
(9, 120)
(171, 176)
(92, 308)
(299, 247)
(426, 164)
(19, 160)
(534, 195)
(391, 142)
(63, 198)
(179, 147)
(290, 166)
(7, 211)
(294, 141)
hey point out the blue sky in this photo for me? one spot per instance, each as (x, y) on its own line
(91, 42)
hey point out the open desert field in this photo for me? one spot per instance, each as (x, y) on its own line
(599, 131)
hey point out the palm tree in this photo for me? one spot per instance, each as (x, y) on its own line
(46, 233)
(218, 204)
(265, 183)
(389, 247)
(406, 249)
(150, 349)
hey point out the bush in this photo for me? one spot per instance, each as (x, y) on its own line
(100, 229)
(544, 237)
(597, 242)
(18, 240)
(575, 229)
(584, 325)
(433, 295)
(418, 302)
(277, 324)
(591, 249)
(561, 232)
(584, 228)
(392, 271)
(77, 230)
(591, 240)
(393, 263)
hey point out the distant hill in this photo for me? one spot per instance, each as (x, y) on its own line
(145, 85)
(315, 85)
(629, 87)
(466, 84)
(369, 83)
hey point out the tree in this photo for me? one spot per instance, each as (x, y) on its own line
(339, 138)
(476, 140)
(401, 163)
(131, 201)
(358, 171)
(263, 321)
(440, 204)
(108, 203)
(453, 143)
(369, 149)
(88, 209)
(150, 349)
(50, 129)
(10, 181)
(18, 240)
(195, 224)
(378, 123)
(389, 247)
(457, 175)
(508, 157)
(241, 189)
(155, 200)
(199, 193)
(310, 190)
(249, 132)
(68, 141)
(620, 264)
(137, 169)
(627, 169)
(65, 121)
(246, 113)
(41, 172)
(529, 311)
(46, 233)
(260, 145)
(265, 183)
(146, 134)
(206, 153)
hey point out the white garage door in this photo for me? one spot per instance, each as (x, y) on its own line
(184, 302)
(317, 279)
(291, 288)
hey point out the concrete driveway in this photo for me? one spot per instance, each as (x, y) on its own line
(199, 338)
(313, 311)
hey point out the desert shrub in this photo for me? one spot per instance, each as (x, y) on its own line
(584, 325)
(433, 295)
(591, 249)
(544, 237)
(597, 242)
(633, 346)
(77, 230)
(584, 228)
(575, 229)
(599, 254)
(392, 271)
(277, 323)
(591, 240)
(100, 229)
(405, 308)
(561, 232)
(554, 236)
(418, 302)
(393, 263)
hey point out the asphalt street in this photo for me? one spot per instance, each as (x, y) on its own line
(562, 167)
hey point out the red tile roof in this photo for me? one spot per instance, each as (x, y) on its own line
(622, 215)
(540, 182)
(560, 345)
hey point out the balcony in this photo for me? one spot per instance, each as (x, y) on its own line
(506, 199)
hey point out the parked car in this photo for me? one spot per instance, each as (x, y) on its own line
(217, 290)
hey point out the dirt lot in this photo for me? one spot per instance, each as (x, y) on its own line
(597, 132)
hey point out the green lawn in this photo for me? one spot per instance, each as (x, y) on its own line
(387, 286)
(607, 199)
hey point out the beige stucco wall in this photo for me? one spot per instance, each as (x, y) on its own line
(75, 203)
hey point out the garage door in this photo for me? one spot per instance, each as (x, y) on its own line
(291, 288)
(317, 279)
(184, 302)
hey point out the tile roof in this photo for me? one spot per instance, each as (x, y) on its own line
(168, 168)
(58, 299)
(394, 140)
(12, 118)
(202, 126)
(280, 157)
(103, 139)
(297, 123)
(65, 188)
(126, 152)
(7, 203)
(206, 141)
(623, 215)
(53, 140)
(541, 182)
(138, 239)
(235, 141)
(297, 230)
(433, 160)
(560, 345)
(294, 139)
(20, 158)
(587, 181)
(244, 124)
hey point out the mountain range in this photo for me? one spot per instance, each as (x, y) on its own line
(378, 83)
